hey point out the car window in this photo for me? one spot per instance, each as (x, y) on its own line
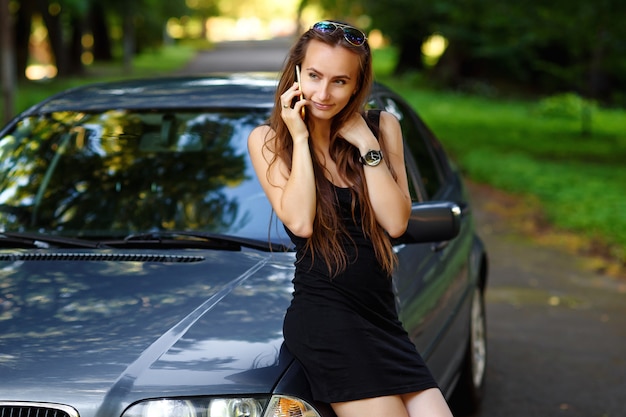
(430, 177)
(415, 188)
(120, 172)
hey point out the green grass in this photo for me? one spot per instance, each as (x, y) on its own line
(533, 149)
(579, 180)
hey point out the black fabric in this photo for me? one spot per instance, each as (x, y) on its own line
(345, 331)
(372, 117)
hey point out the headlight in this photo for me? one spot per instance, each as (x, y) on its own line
(167, 408)
(235, 407)
(276, 406)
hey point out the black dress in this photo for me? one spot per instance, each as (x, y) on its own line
(345, 331)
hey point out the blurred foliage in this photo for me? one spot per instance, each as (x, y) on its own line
(492, 46)
(566, 106)
(530, 47)
(578, 180)
(531, 147)
(116, 29)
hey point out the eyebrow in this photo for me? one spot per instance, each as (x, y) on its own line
(337, 77)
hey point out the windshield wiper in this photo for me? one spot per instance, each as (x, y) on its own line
(189, 239)
(42, 241)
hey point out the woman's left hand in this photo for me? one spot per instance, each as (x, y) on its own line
(356, 131)
(388, 195)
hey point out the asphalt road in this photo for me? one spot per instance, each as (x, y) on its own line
(241, 56)
(556, 330)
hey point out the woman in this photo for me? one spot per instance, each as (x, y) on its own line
(322, 172)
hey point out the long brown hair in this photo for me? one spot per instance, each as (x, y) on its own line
(328, 229)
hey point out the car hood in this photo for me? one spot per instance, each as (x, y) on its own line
(99, 327)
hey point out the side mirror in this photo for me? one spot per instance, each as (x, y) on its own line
(433, 221)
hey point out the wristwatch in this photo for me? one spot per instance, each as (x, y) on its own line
(372, 158)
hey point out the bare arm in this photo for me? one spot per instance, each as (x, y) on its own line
(390, 198)
(290, 192)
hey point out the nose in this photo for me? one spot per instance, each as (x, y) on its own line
(323, 92)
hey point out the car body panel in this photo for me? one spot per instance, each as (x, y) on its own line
(90, 329)
(429, 273)
(102, 328)
(228, 90)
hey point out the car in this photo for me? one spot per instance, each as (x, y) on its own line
(144, 274)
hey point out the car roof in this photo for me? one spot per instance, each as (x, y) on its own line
(228, 91)
(237, 90)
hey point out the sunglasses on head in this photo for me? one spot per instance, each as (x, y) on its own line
(351, 34)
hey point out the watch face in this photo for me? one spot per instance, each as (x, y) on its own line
(373, 158)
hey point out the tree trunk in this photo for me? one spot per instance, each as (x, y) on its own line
(595, 80)
(75, 56)
(449, 68)
(410, 56)
(102, 50)
(7, 59)
(21, 39)
(128, 43)
(55, 35)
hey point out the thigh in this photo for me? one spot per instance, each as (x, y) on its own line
(392, 405)
(430, 402)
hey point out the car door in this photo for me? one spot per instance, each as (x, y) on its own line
(431, 280)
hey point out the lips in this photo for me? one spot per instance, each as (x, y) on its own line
(323, 107)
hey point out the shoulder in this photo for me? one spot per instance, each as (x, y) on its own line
(388, 120)
(261, 132)
(382, 119)
(390, 128)
(261, 143)
(259, 136)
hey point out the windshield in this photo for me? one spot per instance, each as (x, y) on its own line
(120, 172)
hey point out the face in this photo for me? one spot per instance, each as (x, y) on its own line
(329, 78)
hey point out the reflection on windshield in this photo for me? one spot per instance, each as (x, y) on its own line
(119, 172)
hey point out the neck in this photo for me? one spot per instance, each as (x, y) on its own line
(320, 135)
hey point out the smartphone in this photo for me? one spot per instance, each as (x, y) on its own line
(299, 87)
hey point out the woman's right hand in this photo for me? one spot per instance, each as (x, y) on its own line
(290, 189)
(292, 115)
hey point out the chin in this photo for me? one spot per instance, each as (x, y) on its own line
(323, 114)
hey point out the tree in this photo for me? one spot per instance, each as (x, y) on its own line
(22, 30)
(67, 21)
(7, 61)
(62, 17)
(590, 37)
(97, 22)
(142, 23)
(408, 23)
(561, 45)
